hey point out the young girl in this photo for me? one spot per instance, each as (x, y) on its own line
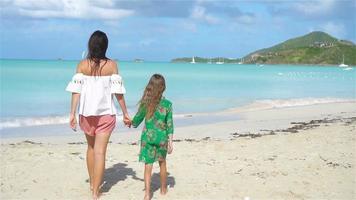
(157, 134)
(93, 87)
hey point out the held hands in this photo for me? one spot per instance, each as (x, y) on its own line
(73, 122)
(127, 120)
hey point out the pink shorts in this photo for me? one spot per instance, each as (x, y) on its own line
(93, 125)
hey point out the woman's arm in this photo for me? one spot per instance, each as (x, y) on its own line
(121, 99)
(140, 115)
(73, 110)
(74, 105)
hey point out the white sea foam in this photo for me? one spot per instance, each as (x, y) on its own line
(32, 121)
(51, 120)
(259, 104)
(282, 103)
(36, 121)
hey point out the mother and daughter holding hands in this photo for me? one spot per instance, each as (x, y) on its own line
(93, 88)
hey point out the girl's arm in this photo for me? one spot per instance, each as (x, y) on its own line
(169, 121)
(170, 129)
(140, 115)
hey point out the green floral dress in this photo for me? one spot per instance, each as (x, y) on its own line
(154, 137)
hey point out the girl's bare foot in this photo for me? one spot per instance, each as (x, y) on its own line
(96, 195)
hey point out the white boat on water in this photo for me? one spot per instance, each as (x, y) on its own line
(193, 60)
(347, 68)
(343, 62)
(241, 61)
(219, 62)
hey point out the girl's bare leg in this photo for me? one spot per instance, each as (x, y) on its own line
(163, 176)
(101, 142)
(148, 172)
(90, 158)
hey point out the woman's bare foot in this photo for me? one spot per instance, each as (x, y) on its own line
(91, 186)
(147, 196)
(164, 191)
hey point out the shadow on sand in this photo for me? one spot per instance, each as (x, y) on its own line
(116, 173)
(156, 183)
(120, 172)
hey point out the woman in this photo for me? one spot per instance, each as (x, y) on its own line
(93, 87)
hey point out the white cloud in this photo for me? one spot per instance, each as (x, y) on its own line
(246, 19)
(315, 7)
(190, 26)
(337, 30)
(124, 45)
(146, 42)
(199, 13)
(77, 9)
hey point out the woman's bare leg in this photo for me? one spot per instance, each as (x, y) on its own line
(101, 142)
(163, 176)
(90, 158)
(148, 172)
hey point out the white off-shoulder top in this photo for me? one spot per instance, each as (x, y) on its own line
(96, 93)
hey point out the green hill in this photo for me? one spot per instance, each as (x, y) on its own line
(313, 48)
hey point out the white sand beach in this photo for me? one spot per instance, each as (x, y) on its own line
(304, 152)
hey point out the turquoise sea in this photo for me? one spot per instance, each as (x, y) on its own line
(32, 91)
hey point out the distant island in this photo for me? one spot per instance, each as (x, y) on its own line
(206, 60)
(139, 60)
(314, 48)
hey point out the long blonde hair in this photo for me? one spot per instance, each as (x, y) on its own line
(153, 94)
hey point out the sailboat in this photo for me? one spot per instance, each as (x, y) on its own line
(343, 62)
(219, 62)
(209, 62)
(193, 60)
(241, 61)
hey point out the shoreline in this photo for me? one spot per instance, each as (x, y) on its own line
(261, 104)
(266, 64)
(149, 61)
(244, 120)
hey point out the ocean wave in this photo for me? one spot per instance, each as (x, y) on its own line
(50, 120)
(37, 121)
(283, 103)
(32, 121)
(256, 105)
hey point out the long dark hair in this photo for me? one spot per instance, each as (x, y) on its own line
(97, 46)
(153, 94)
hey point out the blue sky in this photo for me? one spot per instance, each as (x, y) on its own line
(160, 30)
